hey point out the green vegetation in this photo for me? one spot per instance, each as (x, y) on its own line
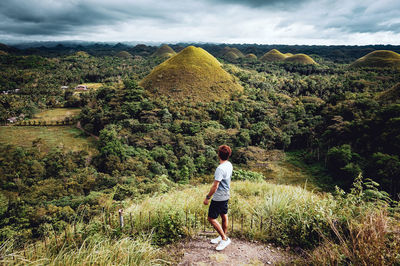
(285, 215)
(191, 74)
(379, 59)
(303, 128)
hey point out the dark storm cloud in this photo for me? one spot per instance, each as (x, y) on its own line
(271, 4)
(289, 21)
(265, 3)
(46, 17)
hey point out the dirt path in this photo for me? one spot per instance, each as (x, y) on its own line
(200, 251)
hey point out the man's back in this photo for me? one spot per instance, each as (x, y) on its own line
(223, 173)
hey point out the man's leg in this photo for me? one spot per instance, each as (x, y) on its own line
(224, 223)
(217, 227)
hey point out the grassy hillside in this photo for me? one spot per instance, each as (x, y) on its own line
(335, 230)
(231, 56)
(379, 59)
(193, 73)
(273, 56)
(391, 95)
(251, 57)
(230, 53)
(300, 59)
(124, 54)
(164, 52)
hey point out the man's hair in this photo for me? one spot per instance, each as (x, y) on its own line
(224, 151)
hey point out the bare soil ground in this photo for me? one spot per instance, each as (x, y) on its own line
(199, 251)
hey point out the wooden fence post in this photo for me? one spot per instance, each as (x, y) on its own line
(241, 227)
(121, 218)
(131, 222)
(232, 222)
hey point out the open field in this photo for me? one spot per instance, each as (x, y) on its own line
(56, 114)
(69, 137)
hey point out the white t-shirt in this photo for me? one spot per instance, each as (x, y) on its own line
(223, 173)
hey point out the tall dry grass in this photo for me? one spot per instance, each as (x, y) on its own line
(372, 240)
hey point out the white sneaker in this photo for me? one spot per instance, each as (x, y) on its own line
(216, 240)
(223, 244)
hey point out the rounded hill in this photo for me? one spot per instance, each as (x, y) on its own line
(192, 73)
(273, 56)
(391, 95)
(124, 54)
(231, 53)
(81, 54)
(300, 59)
(231, 56)
(251, 56)
(379, 59)
(164, 51)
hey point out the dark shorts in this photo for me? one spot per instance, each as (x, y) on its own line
(217, 208)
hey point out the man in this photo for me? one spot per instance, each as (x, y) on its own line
(220, 190)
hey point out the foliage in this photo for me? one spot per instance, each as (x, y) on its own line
(246, 175)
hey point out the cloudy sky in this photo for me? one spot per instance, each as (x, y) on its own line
(327, 22)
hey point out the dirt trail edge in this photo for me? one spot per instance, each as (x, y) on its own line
(199, 251)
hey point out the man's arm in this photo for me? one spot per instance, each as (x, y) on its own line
(213, 188)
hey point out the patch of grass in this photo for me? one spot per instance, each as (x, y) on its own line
(56, 114)
(92, 86)
(96, 249)
(316, 173)
(69, 137)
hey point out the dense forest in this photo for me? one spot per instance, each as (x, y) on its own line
(344, 119)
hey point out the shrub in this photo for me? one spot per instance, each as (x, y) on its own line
(246, 175)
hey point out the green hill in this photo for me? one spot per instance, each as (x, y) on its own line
(391, 95)
(379, 59)
(123, 54)
(231, 56)
(81, 54)
(192, 73)
(231, 53)
(251, 56)
(301, 59)
(164, 51)
(3, 52)
(273, 56)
